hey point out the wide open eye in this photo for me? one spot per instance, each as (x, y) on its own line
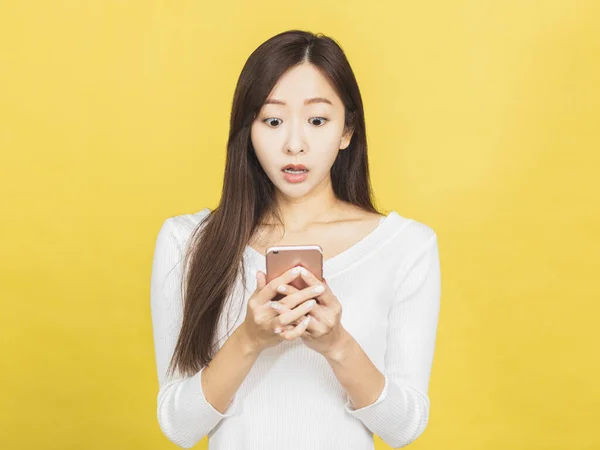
(322, 119)
(271, 119)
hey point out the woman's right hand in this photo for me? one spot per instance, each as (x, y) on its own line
(259, 325)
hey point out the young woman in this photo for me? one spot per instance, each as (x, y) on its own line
(292, 374)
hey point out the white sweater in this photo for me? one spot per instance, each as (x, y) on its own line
(389, 287)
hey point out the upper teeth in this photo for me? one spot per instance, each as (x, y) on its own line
(294, 171)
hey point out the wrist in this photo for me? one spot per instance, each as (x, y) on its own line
(341, 348)
(245, 342)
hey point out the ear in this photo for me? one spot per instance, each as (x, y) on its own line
(345, 140)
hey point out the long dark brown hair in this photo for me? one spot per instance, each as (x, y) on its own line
(248, 195)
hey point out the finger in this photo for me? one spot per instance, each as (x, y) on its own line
(261, 280)
(326, 296)
(287, 317)
(314, 324)
(275, 307)
(269, 291)
(319, 312)
(297, 330)
(260, 284)
(294, 299)
(286, 328)
(285, 290)
(309, 277)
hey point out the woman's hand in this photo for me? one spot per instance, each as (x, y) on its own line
(324, 333)
(260, 327)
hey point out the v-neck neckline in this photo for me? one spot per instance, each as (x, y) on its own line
(336, 263)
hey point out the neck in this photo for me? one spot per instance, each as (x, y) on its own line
(300, 214)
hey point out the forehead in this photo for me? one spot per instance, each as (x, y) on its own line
(301, 83)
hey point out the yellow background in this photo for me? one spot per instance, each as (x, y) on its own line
(482, 119)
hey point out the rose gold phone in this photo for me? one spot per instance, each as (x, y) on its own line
(284, 257)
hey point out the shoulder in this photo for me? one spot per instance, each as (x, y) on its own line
(410, 232)
(407, 229)
(183, 225)
(419, 232)
(416, 246)
(410, 240)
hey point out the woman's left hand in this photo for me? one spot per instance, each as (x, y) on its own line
(324, 333)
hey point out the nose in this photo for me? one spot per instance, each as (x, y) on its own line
(295, 143)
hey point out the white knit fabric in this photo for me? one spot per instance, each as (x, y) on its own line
(389, 287)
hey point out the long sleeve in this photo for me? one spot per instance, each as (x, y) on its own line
(401, 413)
(184, 414)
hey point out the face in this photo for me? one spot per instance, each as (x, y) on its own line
(292, 129)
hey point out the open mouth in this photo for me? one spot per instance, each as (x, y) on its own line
(295, 171)
(295, 174)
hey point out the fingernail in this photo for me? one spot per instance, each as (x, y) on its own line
(296, 270)
(275, 305)
(311, 303)
(277, 330)
(305, 321)
(303, 271)
(319, 289)
(281, 289)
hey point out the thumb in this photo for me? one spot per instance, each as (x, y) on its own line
(261, 280)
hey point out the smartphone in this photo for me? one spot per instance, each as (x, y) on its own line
(281, 258)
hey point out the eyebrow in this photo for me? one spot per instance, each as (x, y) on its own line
(308, 101)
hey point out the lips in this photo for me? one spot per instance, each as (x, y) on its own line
(295, 167)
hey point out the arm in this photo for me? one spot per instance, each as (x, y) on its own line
(188, 408)
(400, 412)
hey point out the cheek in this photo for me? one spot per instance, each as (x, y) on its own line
(262, 157)
(255, 138)
(260, 145)
(327, 142)
(328, 151)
